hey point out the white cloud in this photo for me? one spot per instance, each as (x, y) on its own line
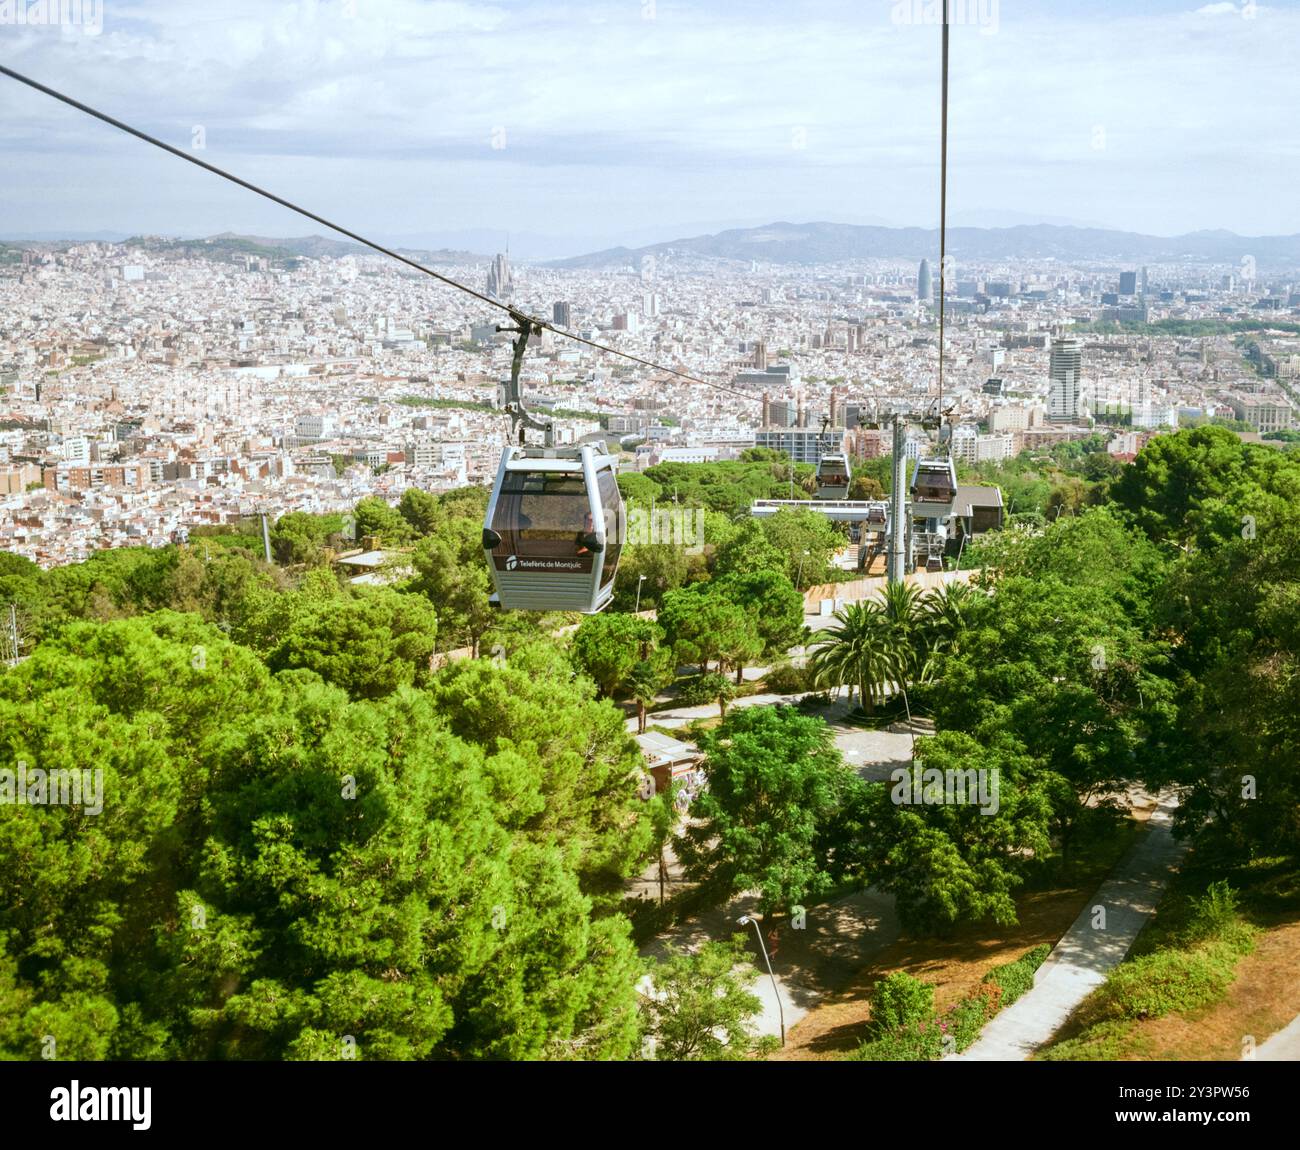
(610, 118)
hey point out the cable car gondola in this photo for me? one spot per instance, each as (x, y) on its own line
(934, 487)
(833, 471)
(554, 525)
(833, 476)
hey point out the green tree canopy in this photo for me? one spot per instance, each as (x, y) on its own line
(279, 872)
(607, 647)
(378, 517)
(701, 1008)
(775, 780)
(302, 538)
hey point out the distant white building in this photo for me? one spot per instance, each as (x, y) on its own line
(801, 444)
(1263, 412)
(76, 449)
(688, 454)
(1011, 418)
(969, 447)
(314, 427)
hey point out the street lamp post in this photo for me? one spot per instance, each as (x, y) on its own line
(799, 581)
(638, 594)
(744, 920)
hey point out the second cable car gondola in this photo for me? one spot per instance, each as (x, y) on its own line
(833, 476)
(555, 519)
(934, 487)
(833, 471)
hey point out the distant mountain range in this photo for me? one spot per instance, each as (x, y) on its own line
(319, 247)
(228, 243)
(325, 247)
(811, 243)
(820, 243)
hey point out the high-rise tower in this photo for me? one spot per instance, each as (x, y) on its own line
(924, 284)
(1065, 370)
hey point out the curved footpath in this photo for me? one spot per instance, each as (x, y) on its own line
(1085, 955)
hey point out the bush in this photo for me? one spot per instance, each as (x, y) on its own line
(920, 1037)
(920, 1043)
(967, 1018)
(1014, 978)
(787, 680)
(1213, 915)
(899, 1000)
(1155, 984)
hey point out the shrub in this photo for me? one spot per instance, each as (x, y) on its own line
(1212, 915)
(922, 1042)
(967, 1018)
(786, 680)
(697, 690)
(899, 1000)
(920, 1038)
(1014, 978)
(1156, 984)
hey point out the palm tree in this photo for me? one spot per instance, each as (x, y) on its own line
(863, 651)
(944, 613)
(647, 678)
(901, 604)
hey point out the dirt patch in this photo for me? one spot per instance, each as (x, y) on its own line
(1263, 998)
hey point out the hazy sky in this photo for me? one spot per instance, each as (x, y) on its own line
(608, 121)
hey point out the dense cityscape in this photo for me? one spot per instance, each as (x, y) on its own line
(156, 385)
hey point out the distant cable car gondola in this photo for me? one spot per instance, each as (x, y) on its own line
(934, 487)
(554, 523)
(833, 475)
(833, 471)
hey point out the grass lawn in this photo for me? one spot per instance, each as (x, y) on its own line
(1261, 995)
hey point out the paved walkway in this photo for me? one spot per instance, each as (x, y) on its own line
(839, 937)
(1284, 1046)
(1084, 956)
(680, 716)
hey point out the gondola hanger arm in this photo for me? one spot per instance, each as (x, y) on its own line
(520, 418)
